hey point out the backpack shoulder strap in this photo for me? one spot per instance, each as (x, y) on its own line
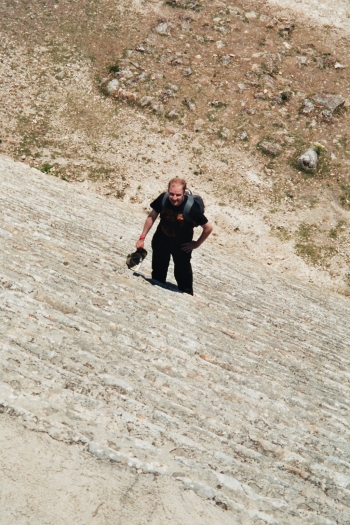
(164, 199)
(187, 208)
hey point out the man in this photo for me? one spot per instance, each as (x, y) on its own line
(174, 235)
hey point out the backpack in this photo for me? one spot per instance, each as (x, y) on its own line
(191, 199)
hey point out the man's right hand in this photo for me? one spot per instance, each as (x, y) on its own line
(140, 243)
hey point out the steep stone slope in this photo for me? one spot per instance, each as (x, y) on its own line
(239, 395)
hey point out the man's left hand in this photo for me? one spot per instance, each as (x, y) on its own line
(189, 246)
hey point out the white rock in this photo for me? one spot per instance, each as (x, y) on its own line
(112, 86)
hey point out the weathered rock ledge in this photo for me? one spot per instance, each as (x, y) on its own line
(240, 395)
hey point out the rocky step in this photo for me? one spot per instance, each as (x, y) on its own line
(241, 393)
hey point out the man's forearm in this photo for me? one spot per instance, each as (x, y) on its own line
(147, 226)
(207, 229)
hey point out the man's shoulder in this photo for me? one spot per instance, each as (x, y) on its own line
(197, 213)
(157, 204)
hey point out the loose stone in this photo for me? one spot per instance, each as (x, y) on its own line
(191, 105)
(187, 71)
(243, 135)
(331, 102)
(226, 60)
(326, 115)
(302, 61)
(308, 106)
(173, 114)
(272, 148)
(308, 159)
(145, 101)
(112, 86)
(224, 133)
(158, 109)
(143, 76)
(163, 29)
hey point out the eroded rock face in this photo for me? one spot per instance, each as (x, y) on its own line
(239, 395)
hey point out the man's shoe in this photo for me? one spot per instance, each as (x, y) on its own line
(134, 260)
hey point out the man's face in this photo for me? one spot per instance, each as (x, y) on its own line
(176, 195)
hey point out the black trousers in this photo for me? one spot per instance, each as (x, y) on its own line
(163, 248)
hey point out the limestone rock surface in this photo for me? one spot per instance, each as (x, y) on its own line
(229, 407)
